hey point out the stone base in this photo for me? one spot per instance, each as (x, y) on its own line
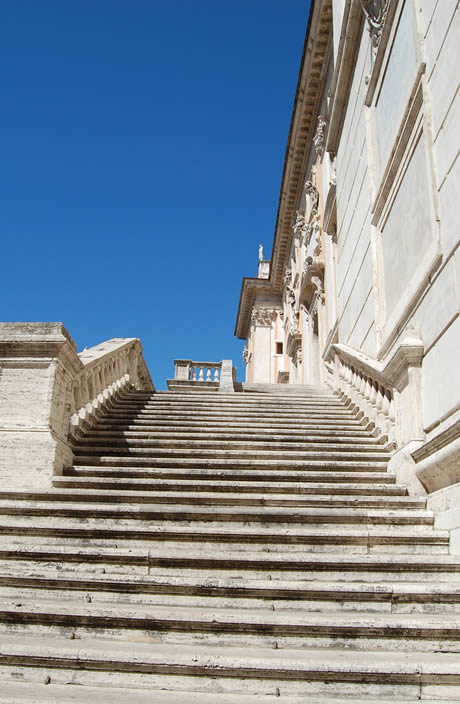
(29, 458)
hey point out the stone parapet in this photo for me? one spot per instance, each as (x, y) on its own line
(47, 388)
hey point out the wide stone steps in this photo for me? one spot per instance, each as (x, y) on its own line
(236, 670)
(25, 693)
(183, 462)
(354, 476)
(238, 435)
(102, 442)
(94, 532)
(404, 631)
(225, 592)
(207, 498)
(166, 560)
(235, 547)
(207, 513)
(244, 486)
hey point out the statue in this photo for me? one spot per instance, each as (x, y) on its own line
(261, 253)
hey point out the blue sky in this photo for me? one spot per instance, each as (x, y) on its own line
(142, 146)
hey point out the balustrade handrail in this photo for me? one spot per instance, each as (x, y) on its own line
(106, 369)
(381, 390)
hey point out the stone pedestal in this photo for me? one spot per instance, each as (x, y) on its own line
(38, 365)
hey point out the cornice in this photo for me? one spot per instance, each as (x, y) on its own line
(250, 287)
(313, 70)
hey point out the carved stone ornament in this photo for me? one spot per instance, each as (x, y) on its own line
(300, 226)
(287, 278)
(312, 195)
(318, 139)
(246, 355)
(263, 317)
(376, 12)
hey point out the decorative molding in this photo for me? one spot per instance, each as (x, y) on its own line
(375, 12)
(246, 355)
(263, 317)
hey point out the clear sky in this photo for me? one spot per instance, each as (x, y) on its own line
(142, 147)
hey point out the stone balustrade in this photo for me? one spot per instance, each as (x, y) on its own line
(197, 371)
(108, 369)
(367, 392)
(387, 392)
(49, 394)
(210, 376)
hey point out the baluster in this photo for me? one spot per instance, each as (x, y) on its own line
(391, 410)
(201, 374)
(208, 374)
(193, 372)
(385, 402)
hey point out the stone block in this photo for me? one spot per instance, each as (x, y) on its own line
(439, 306)
(441, 376)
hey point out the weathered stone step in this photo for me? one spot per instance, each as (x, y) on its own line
(328, 476)
(389, 566)
(213, 513)
(318, 415)
(203, 498)
(229, 403)
(404, 631)
(282, 594)
(214, 455)
(109, 533)
(320, 671)
(353, 465)
(102, 442)
(198, 484)
(241, 434)
(31, 693)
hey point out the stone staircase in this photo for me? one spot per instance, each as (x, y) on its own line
(227, 548)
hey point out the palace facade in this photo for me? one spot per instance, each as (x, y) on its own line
(362, 290)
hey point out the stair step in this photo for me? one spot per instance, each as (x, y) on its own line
(249, 475)
(203, 498)
(394, 595)
(31, 693)
(403, 630)
(242, 539)
(210, 513)
(355, 464)
(327, 670)
(203, 485)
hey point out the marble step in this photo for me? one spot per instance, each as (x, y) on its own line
(289, 449)
(180, 462)
(187, 411)
(165, 561)
(328, 476)
(241, 434)
(228, 485)
(39, 692)
(153, 666)
(209, 513)
(206, 498)
(225, 592)
(403, 631)
(250, 540)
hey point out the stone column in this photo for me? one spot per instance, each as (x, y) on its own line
(38, 366)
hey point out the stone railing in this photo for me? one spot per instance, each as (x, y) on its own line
(109, 369)
(386, 393)
(197, 371)
(47, 388)
(367, 391)
(211, 376)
